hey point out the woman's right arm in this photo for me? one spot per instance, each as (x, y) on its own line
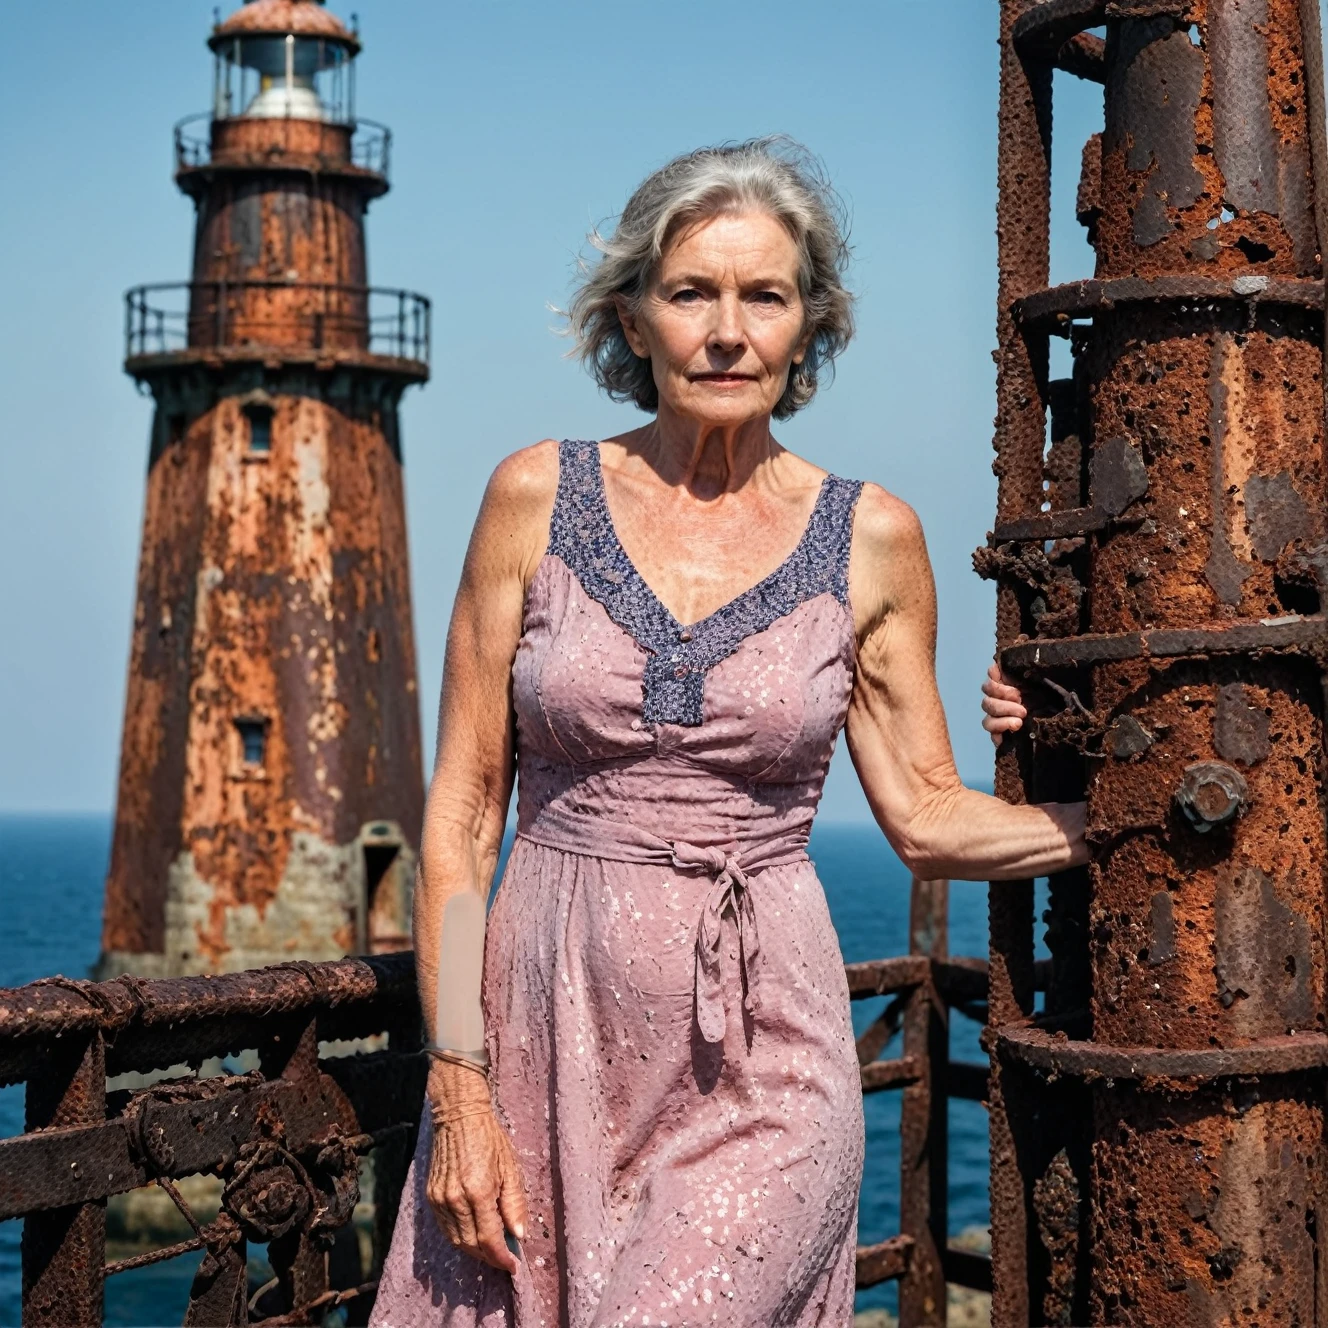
(474, 1184)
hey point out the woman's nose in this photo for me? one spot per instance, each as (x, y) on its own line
(727, 331)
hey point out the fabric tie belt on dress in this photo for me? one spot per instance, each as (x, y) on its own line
(731, 869)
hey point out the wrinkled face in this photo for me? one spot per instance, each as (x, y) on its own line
(722, 319)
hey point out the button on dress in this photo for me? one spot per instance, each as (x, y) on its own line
(665, 1002)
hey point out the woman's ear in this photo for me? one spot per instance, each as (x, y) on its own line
(631, 329)
(804, 342)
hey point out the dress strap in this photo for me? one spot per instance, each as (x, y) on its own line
(829, 538)
(580, 524)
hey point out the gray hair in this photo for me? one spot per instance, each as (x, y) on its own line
(773, 175)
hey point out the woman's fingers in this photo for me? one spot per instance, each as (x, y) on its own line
(468, 1174)
(1001, 692)
(490, 1243)
(1002, 704)
(446, 1193)
(511, 1192)
(1003, 708)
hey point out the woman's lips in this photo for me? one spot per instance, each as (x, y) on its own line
(724, 379)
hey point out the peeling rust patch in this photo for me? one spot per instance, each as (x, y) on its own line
(1240, 731)
(1225, 572)
(1162, 946)
(1056, 1201)
(1127, 738)
(1244, 142)
(1119, 476)
(1275, 514)
(1262, 958)
(1154, 80)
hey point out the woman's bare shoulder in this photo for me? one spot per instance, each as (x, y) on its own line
(513, 523)
(888, 562)
(885, 526)
(527, 478)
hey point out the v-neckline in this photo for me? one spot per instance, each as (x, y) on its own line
(691, 629)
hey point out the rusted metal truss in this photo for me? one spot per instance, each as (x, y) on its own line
(288, 1138)
(1158, 1125)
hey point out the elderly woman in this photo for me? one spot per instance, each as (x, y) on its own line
(660, 635)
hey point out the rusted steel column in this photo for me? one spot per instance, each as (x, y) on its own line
(64, 1249)
(1191, 677)
(1207, 914)
(1023, 246)
(924, 1119)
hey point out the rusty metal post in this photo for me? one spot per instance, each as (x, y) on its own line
(298, 1259)
(1185, 547)
(1208, 930)
(1023, 247)
(64, 1248)
(924, 1119)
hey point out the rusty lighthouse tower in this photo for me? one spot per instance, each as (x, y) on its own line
(270, 787)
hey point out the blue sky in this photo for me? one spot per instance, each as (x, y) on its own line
(517, 127)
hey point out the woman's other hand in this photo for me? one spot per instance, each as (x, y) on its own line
(474, 1183)
(1002, 705)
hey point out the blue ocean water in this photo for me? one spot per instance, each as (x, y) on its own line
(51, 871)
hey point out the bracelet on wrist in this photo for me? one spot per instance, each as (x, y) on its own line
(470, 1060)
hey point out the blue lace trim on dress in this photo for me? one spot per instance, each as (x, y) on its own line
(679, 656)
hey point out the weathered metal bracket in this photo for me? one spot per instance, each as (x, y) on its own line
(1053, 309)
(1046, 27)
(1054, 1054)
(1069, 523)
(1295, 635)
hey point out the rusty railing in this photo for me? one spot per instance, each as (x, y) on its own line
(278, 316)
(287, 1139)
(924, 986)
(370, 145)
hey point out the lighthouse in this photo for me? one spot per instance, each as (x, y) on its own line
(270, 784)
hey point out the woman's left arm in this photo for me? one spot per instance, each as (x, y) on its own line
(896, 728)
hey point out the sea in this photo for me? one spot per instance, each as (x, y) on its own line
(51, 873)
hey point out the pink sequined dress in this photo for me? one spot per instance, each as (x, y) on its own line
(667, 1012)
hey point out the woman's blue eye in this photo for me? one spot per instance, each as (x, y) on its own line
(687, 294)
(769, 297)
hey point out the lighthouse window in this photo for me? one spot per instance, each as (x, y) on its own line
(260, 428)
(253, 739)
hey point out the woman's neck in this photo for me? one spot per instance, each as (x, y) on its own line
(707, 459)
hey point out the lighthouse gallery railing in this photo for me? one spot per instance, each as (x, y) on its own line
(171, 317)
